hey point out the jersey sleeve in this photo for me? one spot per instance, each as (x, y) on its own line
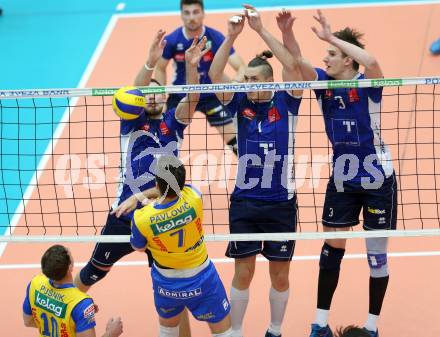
(137, 239)
(128, 126)
(173, 123)
(84, 315)
(375, 94)
(26, 303)
(234, 104)
(168, 51)
(291, 102)
(217, 40)
(195, 189)
(322, 76)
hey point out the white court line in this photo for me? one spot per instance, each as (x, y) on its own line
(277, 8)
(59, 130)
(228, 260)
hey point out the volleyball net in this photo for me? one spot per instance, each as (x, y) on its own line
(61, 160)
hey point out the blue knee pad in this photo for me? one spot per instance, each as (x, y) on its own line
(377, 256)
(331, 257)
(91, 274)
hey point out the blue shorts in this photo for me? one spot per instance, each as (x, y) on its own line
(203, 294)
(342, 209)
(261, 216)
(214, 110)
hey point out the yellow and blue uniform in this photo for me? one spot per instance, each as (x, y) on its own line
(58, 311)
(173, 233)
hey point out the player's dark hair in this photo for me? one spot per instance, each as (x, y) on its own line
(55, 262)
(191, 2)
(261, 60)
(351, 331)
(165, 167)
(352, 36)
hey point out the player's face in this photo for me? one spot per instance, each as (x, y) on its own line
(154, 103)
(192, 17)
(255, 75)
(336, 62)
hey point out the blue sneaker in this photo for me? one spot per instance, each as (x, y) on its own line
(372, 333)
(435, 47)
(268, 334)
(318, 331)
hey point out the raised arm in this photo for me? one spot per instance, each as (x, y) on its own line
(291, 71)
(237, 63)
(372, 68)
(285, 22)
(187, 106)
(154, 54)
(216, 72)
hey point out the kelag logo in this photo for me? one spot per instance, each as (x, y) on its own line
(177, 222)
(49, 304)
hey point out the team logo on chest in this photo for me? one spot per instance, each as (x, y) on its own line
(248, 113)
(353, 95)
(273, 115)
(328, 94)
(164, 128)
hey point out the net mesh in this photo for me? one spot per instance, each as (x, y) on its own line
(60, 158)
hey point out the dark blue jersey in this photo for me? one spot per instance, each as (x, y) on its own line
(142, 140)
(265, 139)
(178, 43)
(352, 123)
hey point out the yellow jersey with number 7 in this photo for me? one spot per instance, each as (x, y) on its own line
(173, 232)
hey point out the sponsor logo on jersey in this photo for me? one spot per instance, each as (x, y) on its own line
(273, 115)
(353, 95)
(89, 313)
(249, 113)
(225, 304)
(209, 56)
(164, 128)
(180, 57)
(376, 211)
(183, 294)
(51, 305)
(177, 222)
(179, 46)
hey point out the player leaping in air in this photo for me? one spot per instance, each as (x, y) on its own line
(363, 176)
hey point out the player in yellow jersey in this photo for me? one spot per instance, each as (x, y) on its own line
(55, 306)
(183, 276)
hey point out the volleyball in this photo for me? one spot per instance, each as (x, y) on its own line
(128, 103)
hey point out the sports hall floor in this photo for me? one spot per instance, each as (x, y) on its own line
(95, 48)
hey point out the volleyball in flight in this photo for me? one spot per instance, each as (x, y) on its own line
(128, 103)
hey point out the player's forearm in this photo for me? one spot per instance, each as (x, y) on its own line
(292, 45)
(220, 60)
(192, 77)
(143, 77)
(280, 52)
(360, 55)
(160, 75)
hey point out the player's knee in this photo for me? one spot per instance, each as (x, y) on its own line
(165, 331)
(243, 276)
(331, 257)
(227, 333)
(377, 256)
(280, 280)
(91, 274)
